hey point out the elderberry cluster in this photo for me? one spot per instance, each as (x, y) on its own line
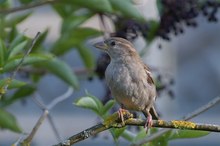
(176, 13)
(210, 9)
(174, 16)
(130, 29)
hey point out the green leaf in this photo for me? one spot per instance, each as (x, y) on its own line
(17, 40)
(89, 103)
(81, 34)
(5, 4)
(97, 100)
(160, 7)
(35, 77)
(141, 135)
(151, 34)
(127, 9)
(17, 49)
(128, 135)
(116, 132)
(153, 27)
(161, 142)
(95, 105)
(108, 106)
(40, 40)
(25, 1)
(75, 37)
(13, 21)
(74, 21)
(12, 84)
(21, 93)
(63, 45)
(2, 1)
(29, 60)
(65, 9)
(2, 54)
(61, 70)
(87, 56)
(95, 5)
(12, 34)
(8, 121)
(179, 134)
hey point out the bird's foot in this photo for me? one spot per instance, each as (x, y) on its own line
(121, 112)
(149, 122)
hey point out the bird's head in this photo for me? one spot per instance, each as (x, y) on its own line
(116, 47)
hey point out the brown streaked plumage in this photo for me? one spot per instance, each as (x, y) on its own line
(128, 78)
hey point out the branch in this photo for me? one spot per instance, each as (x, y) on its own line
(202, 109)
(45, 114)
(61, 98)
(114, 122)
(18, 141)
(28, 6)
(104, 27)
(9, 79)
(176, 124)
(41, 71)
(27, 141)
(195, 113)
(107, 124)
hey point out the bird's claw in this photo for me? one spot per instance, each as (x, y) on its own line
(149, 123)
(121, 115)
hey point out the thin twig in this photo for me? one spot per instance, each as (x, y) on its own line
(84, 135)
(17, 143)
(25, 55)
(104, 27)
(61, 98)
(37, 99)
(27, 6)
(113, 122)
(46, 114)
(54, 128)
(195, 113)
(9, 79)
(57, 100)
(202, 109)
(28, 140)
(94, 129)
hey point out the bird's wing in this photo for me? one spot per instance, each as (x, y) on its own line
(151, 81)
(149, 78)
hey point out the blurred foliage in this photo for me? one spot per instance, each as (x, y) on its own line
(14, 44)
(46, 59)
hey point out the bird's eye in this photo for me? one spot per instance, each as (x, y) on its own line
(112, 43)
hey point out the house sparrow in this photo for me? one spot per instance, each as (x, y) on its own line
(129, 79)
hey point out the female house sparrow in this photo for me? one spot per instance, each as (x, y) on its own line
(128, 78)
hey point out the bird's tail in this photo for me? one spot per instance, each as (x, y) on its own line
(154, 113)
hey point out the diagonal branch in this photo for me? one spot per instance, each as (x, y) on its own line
(195, 113)
(9, 79)
(28, 6)
(27, 141)
(29, 138)
(61, 98)
(114, 122)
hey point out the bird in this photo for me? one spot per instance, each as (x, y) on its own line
(129, 79)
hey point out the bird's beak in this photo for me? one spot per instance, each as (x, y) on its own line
(101, 45)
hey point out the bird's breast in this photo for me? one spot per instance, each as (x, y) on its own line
(126, 86)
